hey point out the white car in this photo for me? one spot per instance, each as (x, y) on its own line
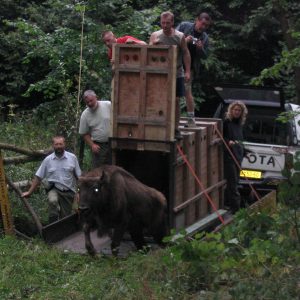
(267, 141)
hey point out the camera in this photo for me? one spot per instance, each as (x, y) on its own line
(194, 40)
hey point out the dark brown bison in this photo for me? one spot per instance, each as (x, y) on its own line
(115, 200)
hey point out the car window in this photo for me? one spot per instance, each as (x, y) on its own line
(265, 130)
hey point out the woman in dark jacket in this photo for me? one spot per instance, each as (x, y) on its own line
(233, 135)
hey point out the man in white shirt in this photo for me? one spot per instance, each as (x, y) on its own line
(59, 172)
(95, 127)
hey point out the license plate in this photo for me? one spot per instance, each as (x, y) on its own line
(250, 174)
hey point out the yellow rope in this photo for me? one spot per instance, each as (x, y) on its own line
(79, 77)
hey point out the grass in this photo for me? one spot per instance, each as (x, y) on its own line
(218, 267)
(34, 271)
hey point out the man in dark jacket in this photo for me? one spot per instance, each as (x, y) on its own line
(198, 45)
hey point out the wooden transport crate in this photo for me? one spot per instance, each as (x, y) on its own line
(168, 172)
(143, 128)
(143, 93)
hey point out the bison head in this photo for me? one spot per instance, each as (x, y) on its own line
(92, 192)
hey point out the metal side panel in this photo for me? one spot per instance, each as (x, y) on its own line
(60, 229)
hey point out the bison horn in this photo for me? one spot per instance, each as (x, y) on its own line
(88, 179)
(83, 207)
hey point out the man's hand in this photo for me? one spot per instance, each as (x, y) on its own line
(189, 39)
(199, 45)
(187, 76)
(231, 143)
(156, 41)
(95, 148)
(129, 41)
(25, 194)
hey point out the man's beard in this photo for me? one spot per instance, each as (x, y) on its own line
(58, 152)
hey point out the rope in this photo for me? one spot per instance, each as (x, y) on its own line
(79, 75)
(200, 184)
(236, 162)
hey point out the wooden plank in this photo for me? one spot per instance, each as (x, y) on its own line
(266, 203)
(4, 202)
(188, 178)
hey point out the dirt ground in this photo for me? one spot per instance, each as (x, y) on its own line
(75, 243)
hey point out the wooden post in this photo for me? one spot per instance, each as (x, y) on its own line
(27, 205)
(5, 206)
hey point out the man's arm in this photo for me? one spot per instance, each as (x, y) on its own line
(186, 59)
(88, 140)
(153, 39)
(185, 28)
(77, 170)
(135, 41)
(35, 183)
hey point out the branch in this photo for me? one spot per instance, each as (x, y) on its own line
(21, 159)
(39, 153)
(27, 205)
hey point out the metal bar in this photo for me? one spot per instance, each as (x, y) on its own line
(196, 197)
(171, 193)
(141, 140)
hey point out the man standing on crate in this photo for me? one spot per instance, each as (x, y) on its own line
(95, 127)
(59, 172)
(169, 36)
(110, 39)
(198, 43)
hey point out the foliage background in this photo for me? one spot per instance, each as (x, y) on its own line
(255, 41)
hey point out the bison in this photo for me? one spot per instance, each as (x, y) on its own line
(115, 200)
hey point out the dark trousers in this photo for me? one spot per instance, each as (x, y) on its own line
(60, 204)
(102, 157)
(232, 195)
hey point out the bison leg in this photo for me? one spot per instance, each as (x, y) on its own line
(88, 242)
(159, 232)
(158, 237)
(136, 232)
(117, 235)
